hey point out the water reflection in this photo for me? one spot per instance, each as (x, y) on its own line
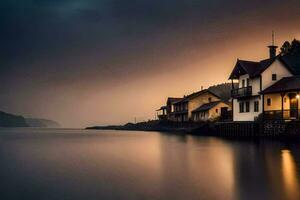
(60, 164)
(289, 173)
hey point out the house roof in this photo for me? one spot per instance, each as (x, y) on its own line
(207, 106)
(250, 67)
(223, 90)
(286, 84)
(196, 94)
(173, 99)
(162, 108)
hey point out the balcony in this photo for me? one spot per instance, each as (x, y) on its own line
(241, 92)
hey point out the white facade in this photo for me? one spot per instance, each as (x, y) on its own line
(252, 105)
(275, 68)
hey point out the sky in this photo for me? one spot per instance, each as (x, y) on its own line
(91, 62)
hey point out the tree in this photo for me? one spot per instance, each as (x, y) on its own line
(285, 47)
(292, 47)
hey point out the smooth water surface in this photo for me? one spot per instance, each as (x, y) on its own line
(54, 164)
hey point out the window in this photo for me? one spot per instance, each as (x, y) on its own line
(209, 99)
(247, 106)
(274, 77)
(247, 82)
(217, 110)
(241, 104)
(269, 101)
(256, 106)
(243, 83)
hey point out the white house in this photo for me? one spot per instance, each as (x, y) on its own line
(256, 94)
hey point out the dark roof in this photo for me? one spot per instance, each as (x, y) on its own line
(223, 90)
(173, 99)
(162, 108)
(250, 67)
(206, 106)
(292, 61)
(196, 94)
(285, 84)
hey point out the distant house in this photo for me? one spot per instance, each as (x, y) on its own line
(269, 88)
(192, 106)
(166, 112)
(162, 113)
(210, 111)
(170, 107)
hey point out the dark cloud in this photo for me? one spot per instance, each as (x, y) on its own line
(45, 44)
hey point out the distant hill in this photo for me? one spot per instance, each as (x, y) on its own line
(42, 123)
(223, 90)
(10, 120)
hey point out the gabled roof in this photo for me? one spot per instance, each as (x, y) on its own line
(196, 94)
(207, 106)
(251, 68)
(286, 84)
(173, 99)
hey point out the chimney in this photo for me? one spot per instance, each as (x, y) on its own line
(273, 47)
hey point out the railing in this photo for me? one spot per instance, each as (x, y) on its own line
(241, 92)
(279, 114)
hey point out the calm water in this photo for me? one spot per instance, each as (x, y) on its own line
(77, 164)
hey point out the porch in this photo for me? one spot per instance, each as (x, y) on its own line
(281, 100)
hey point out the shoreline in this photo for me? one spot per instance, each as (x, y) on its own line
(202, 128)
(264, 129)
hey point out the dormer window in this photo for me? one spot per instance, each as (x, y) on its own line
(274, 77)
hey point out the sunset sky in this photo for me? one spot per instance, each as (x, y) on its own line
(98, 62)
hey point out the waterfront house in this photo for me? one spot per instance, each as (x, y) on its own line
(210, 111)
(166, 112)
(190, 107)
(162, 113)
(268, 88)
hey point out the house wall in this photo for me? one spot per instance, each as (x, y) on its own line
(243, 77)
(276, 102)
(200, 100)
(200, 116)
(275, 68)
(212, 114)
(254, 82)
(246, 116)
